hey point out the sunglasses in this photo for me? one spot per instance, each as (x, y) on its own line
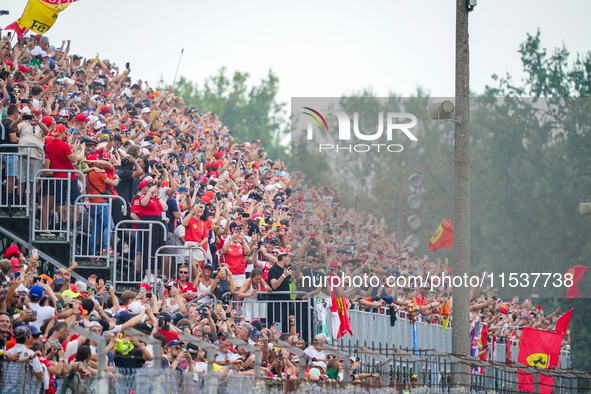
(184, 272)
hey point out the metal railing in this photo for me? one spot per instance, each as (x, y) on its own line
(277, 312)
(174, 255)
(92, 239)
(16, 179)
(373, 328)
(56, 197)
(135, 261)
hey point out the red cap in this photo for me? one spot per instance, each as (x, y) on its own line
(145, 181)
(47, 121)
(209, 194)
(9, 63)
(73, 287)
(206, 199)
(334, 263)
(218, 154)
(60, 128)
(165, 184)
(144, 286)
(12, 251)
(14, 262)
(24, 69)
(284, 251)
(81, 118)
(92, 157)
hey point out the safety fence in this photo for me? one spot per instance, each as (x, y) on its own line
(92, 238)
(16, 177)
(56, 198)
(282, 309)
(134, 254)
(172, 256)
(384, 328)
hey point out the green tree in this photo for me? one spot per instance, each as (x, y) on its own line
(250, 112)
(530, 169)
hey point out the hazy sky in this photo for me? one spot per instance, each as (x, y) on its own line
(317, 48)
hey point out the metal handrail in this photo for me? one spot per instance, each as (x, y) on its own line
(110, 203)
(38, 177)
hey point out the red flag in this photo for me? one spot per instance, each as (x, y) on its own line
(443, 237)
(577, 273)
(562, 322)
(508, 356)
(338, 306)
(484, 342)
(539, 349)
(20, 31)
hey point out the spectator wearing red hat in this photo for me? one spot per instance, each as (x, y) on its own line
(61, 157)
(196, 233)
(97, 183)
(151, 207)
(80, 122)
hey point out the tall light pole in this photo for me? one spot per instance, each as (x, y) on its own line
(461, 249)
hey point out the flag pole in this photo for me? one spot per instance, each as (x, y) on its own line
(177, 68)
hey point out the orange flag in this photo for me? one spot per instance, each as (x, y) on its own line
(443, 237)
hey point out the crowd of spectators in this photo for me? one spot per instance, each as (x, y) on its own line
(262, 232)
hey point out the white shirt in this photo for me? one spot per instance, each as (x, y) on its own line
(221, 357)
(312, 353)
(43, 313)
(24, 352)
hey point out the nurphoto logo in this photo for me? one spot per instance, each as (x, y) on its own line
(393, 123)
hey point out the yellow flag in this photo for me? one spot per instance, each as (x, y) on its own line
(39, 16)
(445, 323)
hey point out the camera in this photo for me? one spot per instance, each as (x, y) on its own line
(202, 309)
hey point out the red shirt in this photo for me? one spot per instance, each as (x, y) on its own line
(153, 208)
(235, 259)
(135, 208)
(186, 289)
(196, 231)
(169, 335)
(57, 152)
(98, 182)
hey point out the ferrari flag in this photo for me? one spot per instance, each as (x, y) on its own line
(39, 16)
(539, 349)
(339, 309)
(443, 237)
(577, 273)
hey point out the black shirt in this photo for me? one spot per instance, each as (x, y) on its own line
(313, 280)
(125, 186)
(5, 132)
(133, 359)
(275, 272)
